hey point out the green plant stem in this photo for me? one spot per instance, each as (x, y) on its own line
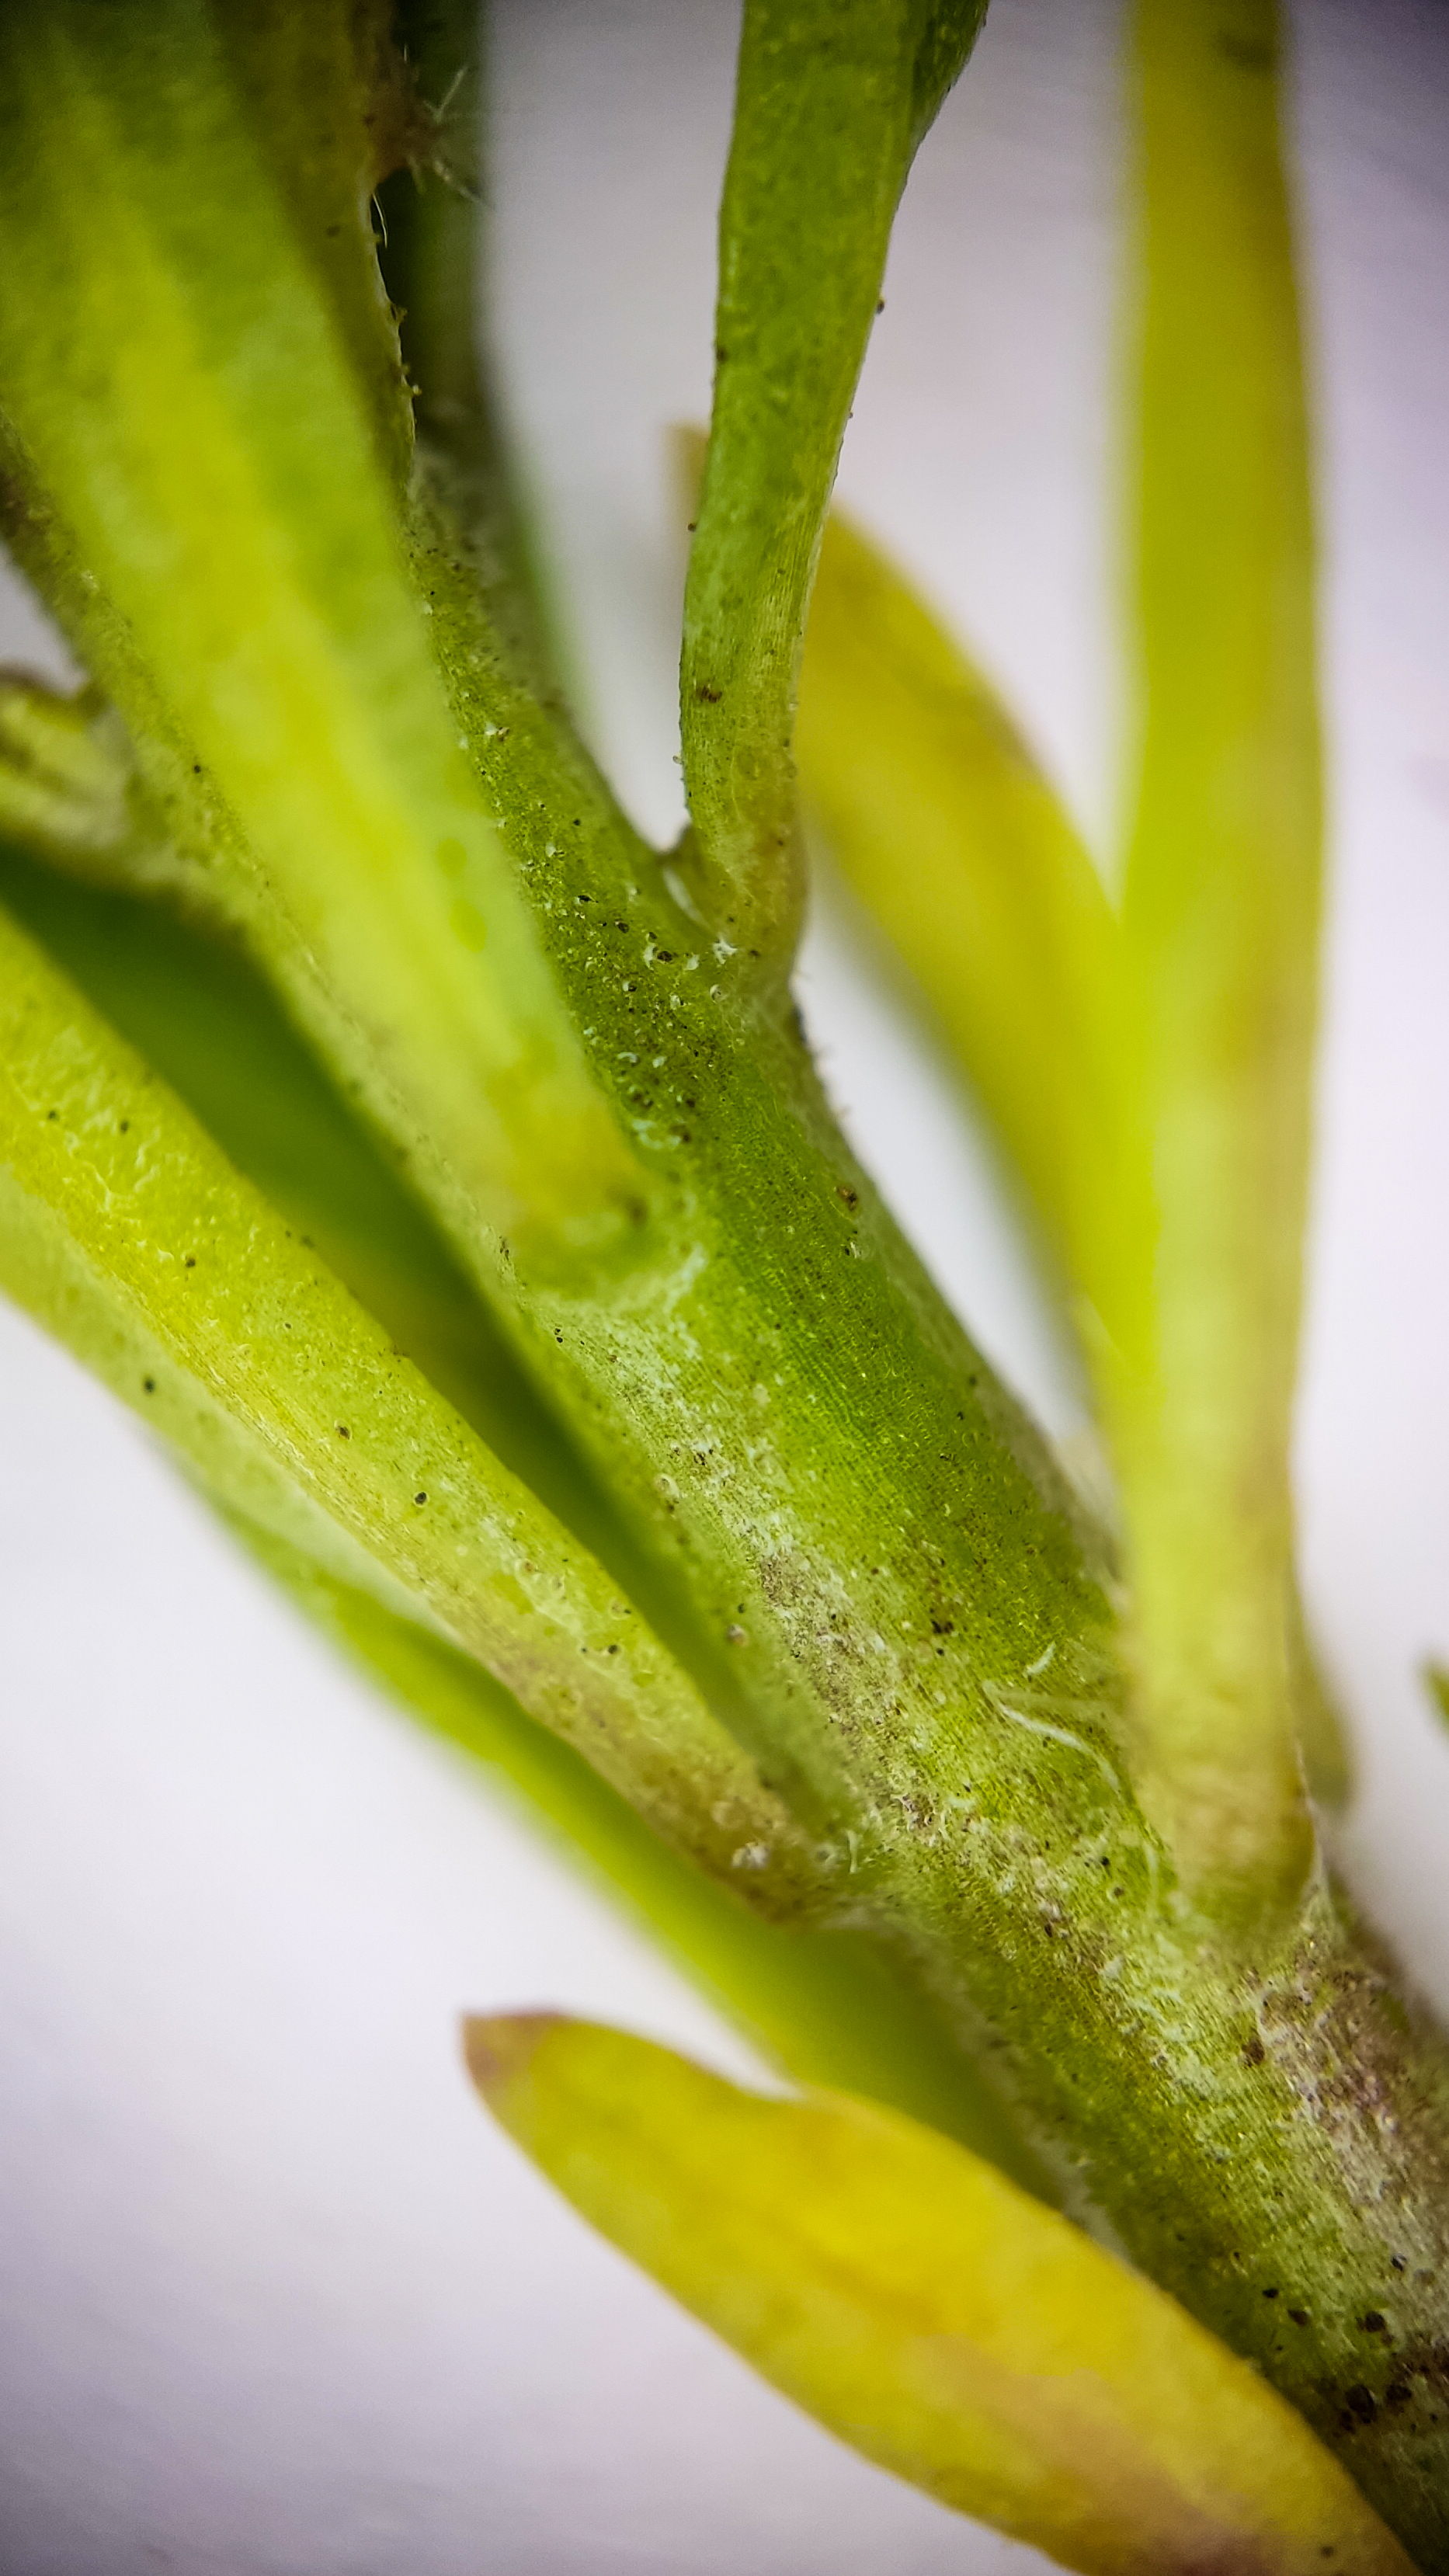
(829, 2007)
(948, 833)
(877, 1557)
(860, 1553)
(125, 1229)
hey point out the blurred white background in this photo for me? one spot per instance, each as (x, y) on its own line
(274, 2295)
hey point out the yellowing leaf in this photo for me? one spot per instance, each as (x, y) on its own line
(932, 2315)
(943, 825)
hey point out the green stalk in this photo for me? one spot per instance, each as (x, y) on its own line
(1150, 1077)
(883, 1572)
(832, 99)
(1165, 2082)
(828, 2006)
(1220, 922)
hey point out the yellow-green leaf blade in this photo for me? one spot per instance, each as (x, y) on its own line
(125, 1231)
(946, 830)
(930, 2314)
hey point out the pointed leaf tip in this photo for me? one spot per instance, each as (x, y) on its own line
(498, 2046)
(929, 2313)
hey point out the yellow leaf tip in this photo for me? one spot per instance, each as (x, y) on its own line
(498, 2046)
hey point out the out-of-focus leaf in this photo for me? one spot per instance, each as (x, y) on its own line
(831, 100)
(931, 2314)
(1150, 1077)
(71, 792)
(946, 829)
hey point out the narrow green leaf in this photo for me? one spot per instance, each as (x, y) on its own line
(192, 441)
(127, 1233)
(945, 828)
(931, 2314)
(191, 1004)
(1220, 924)
(831, 2007)
(947, 832)
(831, 101)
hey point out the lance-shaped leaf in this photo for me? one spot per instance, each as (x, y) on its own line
(1150, 1079)
(125, 1231)
(950, 836)
(1220, 923)
(199, 470)
(931, 2314)
(948, 832)
(832, 98)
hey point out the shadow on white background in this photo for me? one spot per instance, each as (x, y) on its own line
(273, 2294)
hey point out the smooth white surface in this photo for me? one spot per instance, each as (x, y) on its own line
(273, 2295)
